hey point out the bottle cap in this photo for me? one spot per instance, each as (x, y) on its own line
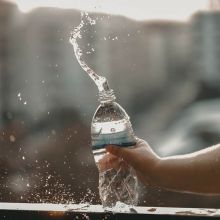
(106, 96)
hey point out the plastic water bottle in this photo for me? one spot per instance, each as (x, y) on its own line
(111, 125)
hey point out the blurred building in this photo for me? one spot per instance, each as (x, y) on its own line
(206, 47)
(150, 58)
(46, 75)
(156, 69)
(6, 13)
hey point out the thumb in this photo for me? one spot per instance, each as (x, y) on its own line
(124, 153)
(135, 156)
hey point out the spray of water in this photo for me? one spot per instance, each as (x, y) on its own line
(100, 81)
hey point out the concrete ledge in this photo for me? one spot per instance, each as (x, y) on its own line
(32, 211)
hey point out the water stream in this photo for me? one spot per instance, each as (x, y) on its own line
(100, 81)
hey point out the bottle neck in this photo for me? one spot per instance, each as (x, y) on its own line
(106, 96)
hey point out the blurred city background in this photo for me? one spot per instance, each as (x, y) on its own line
(165, 73)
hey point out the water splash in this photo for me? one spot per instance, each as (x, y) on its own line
(121, 207)
(100, 81)
(118, 187)
(111, 187)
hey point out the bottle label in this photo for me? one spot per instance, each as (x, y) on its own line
(122, 139)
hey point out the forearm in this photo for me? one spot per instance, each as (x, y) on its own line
(198, 172)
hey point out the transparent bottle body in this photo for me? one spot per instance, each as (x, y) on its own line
(111, 125)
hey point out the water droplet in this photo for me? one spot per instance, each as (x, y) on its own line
(112, 129)
(25, 103)
(19, 94)
(12, 138)
(23, 158)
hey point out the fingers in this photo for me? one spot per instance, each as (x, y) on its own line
(126, 152)
(128, 155)
(119, 151)
(136, 156)
(107, 162)
(110, 161)
(141, 157)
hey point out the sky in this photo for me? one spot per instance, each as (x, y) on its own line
(179, 10)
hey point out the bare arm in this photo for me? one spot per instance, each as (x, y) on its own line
(197, 172)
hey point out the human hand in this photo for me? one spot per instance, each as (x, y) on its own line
(141, 157)
(110, 161)
(174, 173)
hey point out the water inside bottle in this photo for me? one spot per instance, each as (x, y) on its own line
(114, 184)
(114, 132)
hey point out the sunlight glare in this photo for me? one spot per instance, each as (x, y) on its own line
(138, 10)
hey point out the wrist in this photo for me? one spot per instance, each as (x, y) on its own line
(154, 171)
(165, 174)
